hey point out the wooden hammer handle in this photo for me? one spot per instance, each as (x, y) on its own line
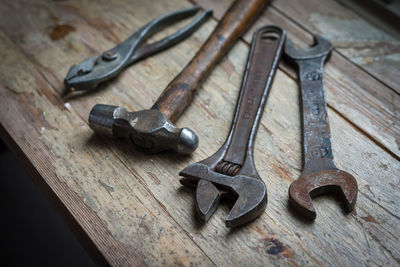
(178, 94)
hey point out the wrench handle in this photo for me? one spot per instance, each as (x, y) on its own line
(317, 144)
(264, 55)
(178, 94)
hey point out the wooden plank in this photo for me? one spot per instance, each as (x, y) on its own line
(355, 95)
(137, 196)
(363, 43)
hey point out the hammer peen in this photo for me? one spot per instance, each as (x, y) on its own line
(153, 129)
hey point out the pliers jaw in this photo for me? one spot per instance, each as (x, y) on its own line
(80, 77)
(91, 72)
(88, 74)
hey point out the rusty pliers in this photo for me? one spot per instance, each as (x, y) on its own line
(94, 70)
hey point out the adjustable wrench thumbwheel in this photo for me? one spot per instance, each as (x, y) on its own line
(320, 175)
(232, 169)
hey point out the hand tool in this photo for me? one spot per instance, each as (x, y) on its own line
(88, 74)
(153, 129)
(319, 175)
(232, 167)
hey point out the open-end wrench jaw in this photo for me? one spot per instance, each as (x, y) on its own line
(311, 185)
(250, 193)
(321, 48)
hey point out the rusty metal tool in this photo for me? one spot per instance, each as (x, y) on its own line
(232, 167)
(153, 129)
(320, 175)
(88, 74)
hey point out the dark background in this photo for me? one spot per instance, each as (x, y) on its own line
(32, 233)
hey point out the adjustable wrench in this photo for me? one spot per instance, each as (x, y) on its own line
(319, 175)
(232, 167)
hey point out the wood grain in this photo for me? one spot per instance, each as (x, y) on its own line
(130, 204)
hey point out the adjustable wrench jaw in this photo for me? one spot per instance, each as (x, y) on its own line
(250, 193)
(209, 194)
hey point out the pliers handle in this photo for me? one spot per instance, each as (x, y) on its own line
(88, 74)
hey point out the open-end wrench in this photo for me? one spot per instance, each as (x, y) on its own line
(319, 175)
(232, 167)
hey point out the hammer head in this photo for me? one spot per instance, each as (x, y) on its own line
(321, 48)
(318, 183)
(148, 129)
(250, 193)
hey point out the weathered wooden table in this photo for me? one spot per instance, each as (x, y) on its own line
(128, 207)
